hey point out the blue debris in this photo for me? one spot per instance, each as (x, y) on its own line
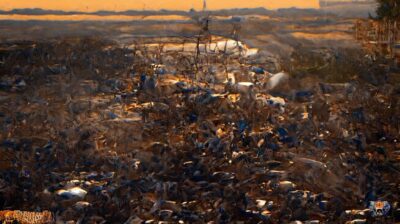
(323, 205)
(242, 125)
(150, 83)
(325, 88)
(5, 86)
(370, 196)
(192, 117)
(358, 115)
(9, 144)
(358, 141)
(258, 70)
(112, 115)
(48, 146)
(273, 146)
(319, 143)
(303, 95)
(142, 81)
(290, 141)
(282, 132)
(160, 71)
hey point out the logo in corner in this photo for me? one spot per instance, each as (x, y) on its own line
(379, 208)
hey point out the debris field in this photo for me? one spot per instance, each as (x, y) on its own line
(96, 132)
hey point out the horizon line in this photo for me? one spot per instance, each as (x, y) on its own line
(160, 10)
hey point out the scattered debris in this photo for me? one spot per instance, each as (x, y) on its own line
(129, 135)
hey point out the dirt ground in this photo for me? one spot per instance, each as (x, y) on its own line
(273, 35)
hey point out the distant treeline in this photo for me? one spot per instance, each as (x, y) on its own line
(243, 11)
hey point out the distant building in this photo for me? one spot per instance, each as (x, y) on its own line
(349, 8)
(325, 3)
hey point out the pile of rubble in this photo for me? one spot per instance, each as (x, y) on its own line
(97, 133)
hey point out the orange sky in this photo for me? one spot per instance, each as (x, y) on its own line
(121, 5)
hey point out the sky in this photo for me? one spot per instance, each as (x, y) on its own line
(122, 5)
